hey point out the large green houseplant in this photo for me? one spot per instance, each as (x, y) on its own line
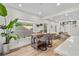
(3, 11)
(7, 32)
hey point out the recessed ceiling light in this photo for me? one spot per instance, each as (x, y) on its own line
(70, 18)
(58, 4)
(66, 14)
(40, 13)
(20, 5)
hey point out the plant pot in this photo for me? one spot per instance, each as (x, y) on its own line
(5, 49)
(0, 49)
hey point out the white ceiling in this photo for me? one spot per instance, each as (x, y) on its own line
(42, 9)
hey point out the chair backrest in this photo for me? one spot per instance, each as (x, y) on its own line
(50, 36)
(44, 38)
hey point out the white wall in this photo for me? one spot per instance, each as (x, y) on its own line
(51, 27)
(20, 42)
(37, 29)
(71, 29)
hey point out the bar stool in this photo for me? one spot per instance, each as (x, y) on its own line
(50, 37)
(42, 43)
(33, 41)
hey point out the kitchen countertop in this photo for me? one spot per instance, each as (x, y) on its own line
(70, 47)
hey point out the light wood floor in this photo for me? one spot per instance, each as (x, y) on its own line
(29, 51)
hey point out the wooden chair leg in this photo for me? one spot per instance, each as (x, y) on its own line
(49, 43)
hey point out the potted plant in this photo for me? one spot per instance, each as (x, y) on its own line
(8, 32)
